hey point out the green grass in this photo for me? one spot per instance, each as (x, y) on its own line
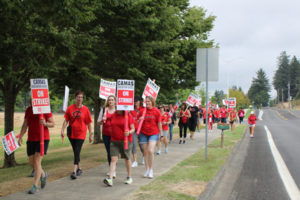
(194, 168)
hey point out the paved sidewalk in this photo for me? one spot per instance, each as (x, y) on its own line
(90, 184)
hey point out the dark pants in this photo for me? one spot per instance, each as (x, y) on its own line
(76, 145)
(241, 119)
(183, 126)
(106, 140)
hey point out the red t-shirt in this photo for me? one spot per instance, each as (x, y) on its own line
(106, 128)
(241, 113)
(210, 118)
(165, 118)
(152, 118)
(252, 119)
(223, 113)
(79, 125)
(184, 119)
(117, 124)
(216, 113)
(134, 114)
(232, 115)
(33, 122)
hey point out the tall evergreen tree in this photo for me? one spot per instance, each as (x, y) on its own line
(259, 89)
(293, 76)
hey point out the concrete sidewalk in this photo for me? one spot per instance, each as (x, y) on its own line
(90, 184)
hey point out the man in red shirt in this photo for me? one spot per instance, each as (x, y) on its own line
(223, 113)
(32, 122)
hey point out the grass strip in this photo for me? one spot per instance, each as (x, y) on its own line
(189, 178)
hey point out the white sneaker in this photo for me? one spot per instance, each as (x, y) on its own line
(143, 161)
(134, 164)
(150, 175)
(158, 152)
(146, 174)
(114, 175)
(251, 135)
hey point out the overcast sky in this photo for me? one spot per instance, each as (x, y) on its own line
(251, 35)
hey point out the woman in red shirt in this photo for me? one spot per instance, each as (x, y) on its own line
(117, 145)
(165, 121)
(149, 135)
(210, 120)
(251, 121)
(104, 119)
(183, 116)
(32, 122)
(241, 114)
(78, 117)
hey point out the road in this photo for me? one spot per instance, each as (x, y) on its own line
(259, 178)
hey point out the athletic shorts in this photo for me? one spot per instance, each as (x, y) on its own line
(251, 125)
(33, 147)
(117, 148)
(144, 139)
(231, 122)
(165, 134)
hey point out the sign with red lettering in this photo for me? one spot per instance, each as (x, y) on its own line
(192, 99)
(232, 102)
(107, 88)
(40, 96)
(10, 143)
(151, 89)
(125, 94)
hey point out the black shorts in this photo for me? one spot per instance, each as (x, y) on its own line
(223, 120)
(33, 147)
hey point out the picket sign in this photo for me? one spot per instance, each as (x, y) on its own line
(40, 104)
(192, 99)
(151, 89)
(125, 101)
(175, 107)
(106, 89)
(10, 143)
(232, 102)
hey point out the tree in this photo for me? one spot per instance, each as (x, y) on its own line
(259, 90)
(219, 96)
(242, 100)
(294, 67)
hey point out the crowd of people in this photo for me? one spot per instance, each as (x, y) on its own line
(156, 132)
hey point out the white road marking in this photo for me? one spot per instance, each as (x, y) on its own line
(284, 172)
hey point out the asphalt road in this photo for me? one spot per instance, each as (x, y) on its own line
(259, 178)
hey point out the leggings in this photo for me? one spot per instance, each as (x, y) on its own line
(183, 126)
(106, 140)
(76, 146)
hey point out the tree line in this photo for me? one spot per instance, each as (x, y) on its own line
(76, 43)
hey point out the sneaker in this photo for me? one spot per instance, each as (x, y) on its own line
(180, 141)
(146, 174)
(150, 175)
(114, 175)
(134, 164)
(33, 189)
(73, 175)
(143, 161)
(108, 182)
(251, 135)
(128, 180)
(44, 180)
(166, 150)
(158, 152)
(32, 173)
(183, 142)
(78, 172)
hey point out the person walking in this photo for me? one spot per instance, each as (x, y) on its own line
(78, 117)
(210, 120)
(117, 145)
(232, 119)
(32, 123)
(252, 121)
(223, 113)
(171, 125)
(104, 119)
(137, 109)
(200, 116)
(149, 135)
(183, 115)
(165, 121)
(241, 115)
(193, 120)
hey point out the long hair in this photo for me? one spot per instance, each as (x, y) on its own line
(106, 102)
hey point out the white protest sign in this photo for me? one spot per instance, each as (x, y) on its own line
(10, 143)
(232, 102)
(125, 94)
(107, 88)
(151, 89)
(192, 99)
(40, 96)
(66, 98)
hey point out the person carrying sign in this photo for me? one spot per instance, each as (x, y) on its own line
(149, 135)
(104, 119)
(117, 145)
(193, 120)
(32, 123)
(79, 119)
(183, 116)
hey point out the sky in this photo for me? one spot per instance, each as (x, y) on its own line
(251, 35)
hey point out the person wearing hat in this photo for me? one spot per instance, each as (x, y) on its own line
(137, 109)
(251, 121)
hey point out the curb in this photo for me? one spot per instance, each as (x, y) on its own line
(221, 186)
